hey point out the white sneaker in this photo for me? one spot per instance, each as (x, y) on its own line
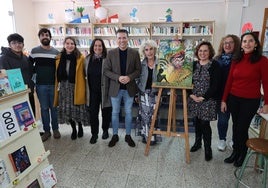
(222, 145)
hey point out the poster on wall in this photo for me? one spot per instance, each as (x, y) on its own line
(175, 68)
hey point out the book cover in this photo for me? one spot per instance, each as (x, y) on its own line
(20, 160)
(5, 87)
(23, 114)
(4, 177)
(8, 122)
(3, 133)
(173, 69)
(16, 80)
(34, 184)
(48, 177)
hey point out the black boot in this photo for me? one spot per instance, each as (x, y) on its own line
(207, 133)
(234, 156)
(80, 130)
(239, 161)
(198, 136)
(74, 132)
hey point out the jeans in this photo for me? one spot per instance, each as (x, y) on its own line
(223, 119)
(116, 104)
(45, 95)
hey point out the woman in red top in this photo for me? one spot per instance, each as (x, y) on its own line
(242, 93)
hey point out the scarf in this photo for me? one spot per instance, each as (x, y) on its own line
(62, 72)
(225, 59)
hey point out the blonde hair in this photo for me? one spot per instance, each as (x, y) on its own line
(150, 43)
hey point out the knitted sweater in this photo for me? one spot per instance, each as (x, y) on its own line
(245, 79)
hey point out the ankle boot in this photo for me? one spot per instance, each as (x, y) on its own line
(239, 161)
(74, 131)
(80, 130)
(198, 137)
(208, 153)
(207, 133)
(234, 156)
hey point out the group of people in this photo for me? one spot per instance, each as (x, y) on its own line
(72, 88)
(229, 84)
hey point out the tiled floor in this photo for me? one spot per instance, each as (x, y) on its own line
(79, 164)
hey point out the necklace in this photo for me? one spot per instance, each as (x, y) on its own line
(150, 64)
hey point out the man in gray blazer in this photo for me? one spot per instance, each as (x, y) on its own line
(122, 66)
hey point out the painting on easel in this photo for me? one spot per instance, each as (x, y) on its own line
(175, 66)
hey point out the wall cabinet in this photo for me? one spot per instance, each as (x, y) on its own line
(189, 31)
(30, 138)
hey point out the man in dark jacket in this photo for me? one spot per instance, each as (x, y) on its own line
(12, 57)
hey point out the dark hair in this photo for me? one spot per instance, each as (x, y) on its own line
(15, 37)
(104, 49)
(210, 48)
(236, 40)
(44, 30)
(121, 31)
(257, 52)
(76, 51)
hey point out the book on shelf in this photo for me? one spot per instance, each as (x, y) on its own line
(4, 176)
(34, 184)
(8, 122)
(23, 114)
(48, 177)
(16, 80)
(20, 160)
(5, 87)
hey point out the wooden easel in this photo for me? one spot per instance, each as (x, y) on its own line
(171, 119)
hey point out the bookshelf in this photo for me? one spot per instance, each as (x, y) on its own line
(197, 31)
(190, 31)
(28, 137)
(264, 33)
(138, 32)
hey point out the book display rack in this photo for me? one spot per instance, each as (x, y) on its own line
(22, 154)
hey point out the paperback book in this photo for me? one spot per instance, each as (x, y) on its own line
(5, 88)
(16, 80)
(8, 122)
(23, 114)
(174, 70)
(48, 177)
(20, 160)
(4, 177)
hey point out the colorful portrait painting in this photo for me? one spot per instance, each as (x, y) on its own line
(174, 69)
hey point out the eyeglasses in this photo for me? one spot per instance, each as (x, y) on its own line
(16, 43)
(228, 43)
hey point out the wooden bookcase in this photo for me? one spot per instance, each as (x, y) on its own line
(30, 138)
(190, 31)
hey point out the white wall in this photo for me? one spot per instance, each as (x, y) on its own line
(229, 15)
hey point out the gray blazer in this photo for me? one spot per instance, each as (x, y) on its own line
(105, 99)
(112, 70)
(142, 80)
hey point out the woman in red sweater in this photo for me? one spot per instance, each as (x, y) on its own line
(242, 93)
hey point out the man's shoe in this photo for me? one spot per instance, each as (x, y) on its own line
(56, 134)
(129, 140)
(93, 139)
(113, 141)
(222, 145)
(208, 154)
(105, 135)
(45, 136)
(152, 143)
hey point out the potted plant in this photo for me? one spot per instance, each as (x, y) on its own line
(80, 10)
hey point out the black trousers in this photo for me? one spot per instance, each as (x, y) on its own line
(242, 111)
(95, 103)
(32, 103)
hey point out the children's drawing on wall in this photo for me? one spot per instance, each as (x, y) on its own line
(133, 15)
(173, 69)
